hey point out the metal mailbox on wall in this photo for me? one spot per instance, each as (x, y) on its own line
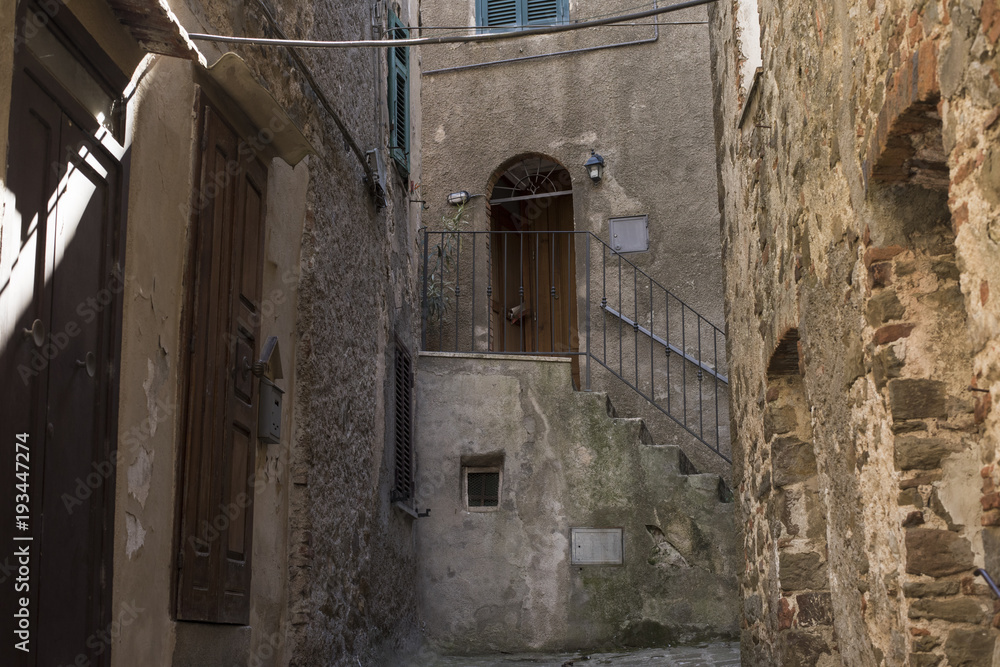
(629, 234)
(596, 546)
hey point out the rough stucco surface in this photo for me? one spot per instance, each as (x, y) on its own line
(503, 580)
(334, 568)
(858, 197)
(646, 108)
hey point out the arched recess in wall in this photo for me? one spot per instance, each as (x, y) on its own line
(801, 588)
(921, 354)
(533, 258)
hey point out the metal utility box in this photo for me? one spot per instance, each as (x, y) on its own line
(596, 546)
(629, 234)
(269, 413)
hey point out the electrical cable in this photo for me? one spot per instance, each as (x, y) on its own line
(448, 39)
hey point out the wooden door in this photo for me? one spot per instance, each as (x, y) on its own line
(67, 186)
(219, 459)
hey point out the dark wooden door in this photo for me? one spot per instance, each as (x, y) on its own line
(220, 444)
(63, 385)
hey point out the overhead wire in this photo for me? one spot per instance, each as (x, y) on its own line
(451, 39)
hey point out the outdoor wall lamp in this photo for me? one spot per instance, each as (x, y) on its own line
(595, 166)
(461, 198)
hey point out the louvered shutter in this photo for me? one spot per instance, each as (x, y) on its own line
(501, 13)
(402, 425)
(544, 12)
(515, 13)
(399, 95)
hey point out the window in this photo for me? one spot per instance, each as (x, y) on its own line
(399, 96)
(402, 425)
(517, 14)
(482, 488)
(218, 459)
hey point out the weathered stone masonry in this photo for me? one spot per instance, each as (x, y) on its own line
(861, 201)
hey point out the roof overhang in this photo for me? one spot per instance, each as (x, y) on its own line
(156, 28)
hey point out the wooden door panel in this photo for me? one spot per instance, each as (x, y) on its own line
(220, 447)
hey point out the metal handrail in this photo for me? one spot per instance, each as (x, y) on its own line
(989, 580)
(535, 303)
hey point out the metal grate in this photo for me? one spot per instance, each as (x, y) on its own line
(483, 489)
(402, 489)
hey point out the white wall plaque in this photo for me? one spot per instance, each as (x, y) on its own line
(596, 546)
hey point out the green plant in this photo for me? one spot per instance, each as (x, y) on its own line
(441, 277)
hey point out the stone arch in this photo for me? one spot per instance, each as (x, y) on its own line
(800, 591)
(921, 355)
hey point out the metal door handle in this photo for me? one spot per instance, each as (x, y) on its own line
(36, 333)
(90, 363)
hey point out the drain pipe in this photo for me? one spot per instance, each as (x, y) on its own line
(588, 49)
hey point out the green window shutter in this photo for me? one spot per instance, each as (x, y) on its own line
(514, 14)
(501, 13)
(544, 12)
(399, 96)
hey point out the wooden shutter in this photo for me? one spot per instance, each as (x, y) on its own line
(545, 12)
(403, 424)
(216, 516)
(399, 95)
(501, 13)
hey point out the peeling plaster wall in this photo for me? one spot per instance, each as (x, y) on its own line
(503, 580)
(645, 108)
(858, 198)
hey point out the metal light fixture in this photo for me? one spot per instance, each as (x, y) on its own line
(595, 166)
(459, 198)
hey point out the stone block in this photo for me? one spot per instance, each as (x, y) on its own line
(920, 480)
(926, 589)
(917, 399)
(924, 660)
(801, 571)
(892, 332)
(910, 497)
(883, 307)
(969, 648)
(926, 644)
(936, 552)
(880, 275)
(955, 610)
(801, 649)
(779, 419)
(913, 453)
(792, 460)
(886, 366)
(991, 548)
(814, 609)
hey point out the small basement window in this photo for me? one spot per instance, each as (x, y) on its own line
(482, 488)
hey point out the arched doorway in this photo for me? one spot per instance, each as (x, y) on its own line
(533, 260)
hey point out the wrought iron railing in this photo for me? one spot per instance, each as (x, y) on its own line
(569, 294)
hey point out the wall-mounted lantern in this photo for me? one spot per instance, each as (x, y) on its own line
(595, 166)
(459, 198)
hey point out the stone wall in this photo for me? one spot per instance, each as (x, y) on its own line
(334, 571)
(858, 190)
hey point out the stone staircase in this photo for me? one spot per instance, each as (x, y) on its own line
(509, 579)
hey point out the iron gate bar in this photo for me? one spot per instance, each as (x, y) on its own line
(451, 277)
(540, 195)
(673, 348)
